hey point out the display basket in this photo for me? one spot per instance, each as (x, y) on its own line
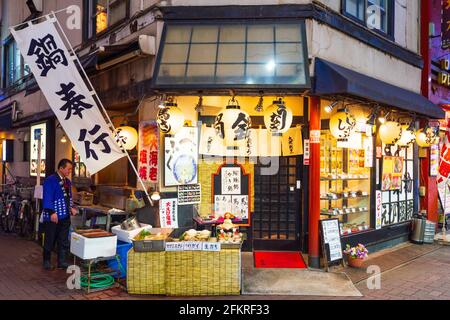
(146, 272)
(152, 245)
(203, 273)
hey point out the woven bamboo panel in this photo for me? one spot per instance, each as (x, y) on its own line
(145, 272)
(203, 273)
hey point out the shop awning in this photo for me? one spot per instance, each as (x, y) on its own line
(332, 79)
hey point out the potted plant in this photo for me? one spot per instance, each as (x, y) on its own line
(356, 255)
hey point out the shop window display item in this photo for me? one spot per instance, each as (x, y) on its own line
(345, 185)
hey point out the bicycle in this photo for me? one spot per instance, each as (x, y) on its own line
(26, 217)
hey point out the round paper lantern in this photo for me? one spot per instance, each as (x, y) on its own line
(278, 117)
(427, 138)
(170, 119)
(341, 125)
(408, 137)
(232, 125)
(128, 136)
(390, 132)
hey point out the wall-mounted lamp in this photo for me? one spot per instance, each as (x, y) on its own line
(63, 139)
(330, 107)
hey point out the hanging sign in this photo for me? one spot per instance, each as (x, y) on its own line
(378, 209)
(189, 194)
(148, 151)
(445, 24)
(291, 142)
(368, 152)
(210, 142)
(73, 103)
(168, 213)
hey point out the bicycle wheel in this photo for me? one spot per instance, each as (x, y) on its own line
(27, 223)
(11, 218)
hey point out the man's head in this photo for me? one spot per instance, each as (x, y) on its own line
(65, 168)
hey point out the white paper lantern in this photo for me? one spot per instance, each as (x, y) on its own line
(342, 124)
(128, 136)
(170, 119)
(390, 132)
(278, 117)
(427, 138)
(408, 136)
(232, 125)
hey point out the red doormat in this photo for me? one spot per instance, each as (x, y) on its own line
(280, 260)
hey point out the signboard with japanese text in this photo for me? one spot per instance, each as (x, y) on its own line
(148, 151)
(307, 153)
(193, 246)
(445, 24)
(181, 157)
(331, 239)
(292, 142)
(434, 160)
(67, 94)
(38, 133)
(168, 213)
(231, 180)
(378, 209)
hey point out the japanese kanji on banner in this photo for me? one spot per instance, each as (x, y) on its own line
(148, 151)
(67, 94)
(292, 142)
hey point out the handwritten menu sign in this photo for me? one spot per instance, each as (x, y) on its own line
(193, 246)
(331, 239)
(231, 180)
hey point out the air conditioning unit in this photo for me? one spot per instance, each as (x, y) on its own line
(147, 44)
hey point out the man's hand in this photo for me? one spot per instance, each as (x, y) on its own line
(54, 218)
(74, 211)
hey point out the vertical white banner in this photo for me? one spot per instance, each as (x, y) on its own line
(67, 93)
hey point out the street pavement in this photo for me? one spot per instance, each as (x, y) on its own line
(423, 276)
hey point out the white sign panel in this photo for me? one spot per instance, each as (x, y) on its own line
(211, 246)
(192, 246)
(38, 132)
(168, 213)
(368, 152)
(331, 236)
(66, 92)
(231, 180)
(174, 246)
(378, 209)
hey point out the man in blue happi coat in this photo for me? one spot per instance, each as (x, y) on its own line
(57, 208)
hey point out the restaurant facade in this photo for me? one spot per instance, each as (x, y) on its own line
(282, 115)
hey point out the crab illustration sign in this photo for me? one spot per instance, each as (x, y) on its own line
(67, 93)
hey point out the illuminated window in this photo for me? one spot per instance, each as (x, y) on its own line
(15, 68)
(104, 14)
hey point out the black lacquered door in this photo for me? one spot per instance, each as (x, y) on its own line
(277, 212)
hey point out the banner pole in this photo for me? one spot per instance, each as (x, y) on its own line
(100, 104)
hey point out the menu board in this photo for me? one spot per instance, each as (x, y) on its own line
(392, 173)
(331, 240)
(189, 194)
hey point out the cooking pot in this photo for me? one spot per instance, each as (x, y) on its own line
(130, 224)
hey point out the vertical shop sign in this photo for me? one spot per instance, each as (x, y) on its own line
(291, 142)
(148, 151)
(445, 24)
(314, 136)
(38, 133)
(378, 209)
(306, 153)
(168, 213)
(231, 180)
(368, 152)
(434, 160)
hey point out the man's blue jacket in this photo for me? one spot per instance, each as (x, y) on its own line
(53, 198)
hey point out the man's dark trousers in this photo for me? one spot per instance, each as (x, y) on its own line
(56, 233)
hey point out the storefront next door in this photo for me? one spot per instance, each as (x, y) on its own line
(276, 217)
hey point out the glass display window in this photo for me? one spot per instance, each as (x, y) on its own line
(345, 184)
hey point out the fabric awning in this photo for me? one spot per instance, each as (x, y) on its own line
(332, 79)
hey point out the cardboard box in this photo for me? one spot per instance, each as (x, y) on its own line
(91, 248)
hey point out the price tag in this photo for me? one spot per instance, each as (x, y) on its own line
(211, 246)
(192, 246)
(174, 246)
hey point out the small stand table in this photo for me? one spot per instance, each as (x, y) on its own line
(90, 277)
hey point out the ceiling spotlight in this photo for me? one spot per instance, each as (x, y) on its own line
(63, 139)
(330, 108)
